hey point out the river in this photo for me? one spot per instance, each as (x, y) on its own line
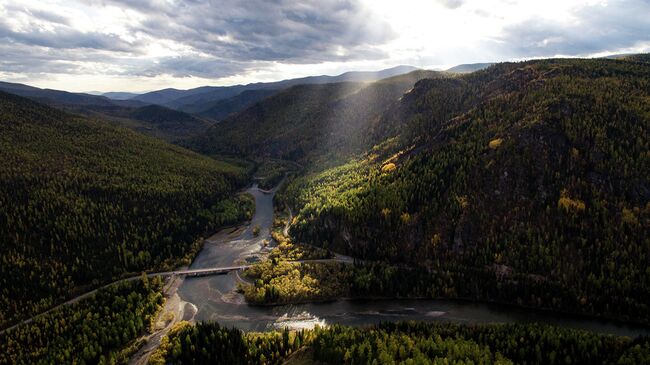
(213, 298)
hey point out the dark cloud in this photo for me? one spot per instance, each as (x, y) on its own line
(597, 28)
(224, 38)
(59, 35)
(29, 59)
(263, 30)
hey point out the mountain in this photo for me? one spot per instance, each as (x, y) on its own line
(83, 202)
(164, 96)
(222, 108)
(469, 67)
(526, 183)
(169, 123)
(154, 120)
(373, 75)
(198, 100)
(119, 95)
(58, 97)
(307, 121)
(528, 177)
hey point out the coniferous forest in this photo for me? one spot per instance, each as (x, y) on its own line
(95, 330)
(83, 203)
(400, 343)
(524, 184)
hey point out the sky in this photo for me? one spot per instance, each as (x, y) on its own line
(142, 45)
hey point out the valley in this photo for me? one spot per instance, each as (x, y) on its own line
(215, 298)
(451, 211)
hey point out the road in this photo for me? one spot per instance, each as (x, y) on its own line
(200, 272)
(191, 273)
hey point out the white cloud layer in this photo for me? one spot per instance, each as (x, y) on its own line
(136, 45)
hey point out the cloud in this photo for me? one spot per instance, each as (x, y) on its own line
(262, 30)
(596, 28)
(49, 16)
(46, 29)
(196, 66)
(452, 4)
(250, 40)
(209, 38)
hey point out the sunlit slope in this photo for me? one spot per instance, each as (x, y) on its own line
(308, 121)
(82, 202)
(526, 183)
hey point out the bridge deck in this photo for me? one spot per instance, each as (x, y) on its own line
(201, 272)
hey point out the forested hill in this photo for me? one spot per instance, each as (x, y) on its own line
(82, 202)
(308, 121)
(526, 183)
(153, 120)
(169, 122)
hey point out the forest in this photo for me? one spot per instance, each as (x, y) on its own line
(524, 183)
(307, 123)
(83, 203)
(95, 330)
(400, 343)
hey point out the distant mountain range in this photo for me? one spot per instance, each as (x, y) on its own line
(143, 117)
(59, 97)
(199, 100)
(207, 102)
(179, 114)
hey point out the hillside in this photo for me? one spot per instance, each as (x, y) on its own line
(469, 67)
(82, 202)
(153, 120)
(169, 123)
(525, 183)
(308, 121)
(222, 108)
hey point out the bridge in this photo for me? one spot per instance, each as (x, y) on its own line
(189, 273)
(226, 269)
(200, 272)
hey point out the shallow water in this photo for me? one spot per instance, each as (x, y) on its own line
(215, 300)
